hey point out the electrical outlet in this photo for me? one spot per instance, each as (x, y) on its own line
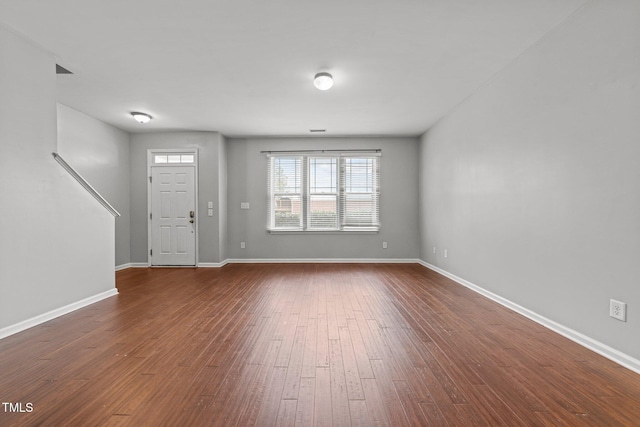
(618, 310)
(446, 253)
(242, 245)
(384, 245)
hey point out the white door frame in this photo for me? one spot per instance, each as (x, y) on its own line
(150, 162)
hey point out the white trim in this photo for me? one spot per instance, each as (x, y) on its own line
(285, 261)
(575, 336)
(325, 232)
(131, 265)
(34, 321)
(322, 260)
(213, 264)
(139, 265)
(150, 164)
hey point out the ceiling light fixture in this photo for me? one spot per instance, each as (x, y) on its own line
(141, 117)
(323, 81)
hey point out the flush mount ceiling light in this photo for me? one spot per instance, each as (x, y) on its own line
(323, 81)
(141, 117)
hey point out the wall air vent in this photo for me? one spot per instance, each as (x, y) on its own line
(61, 70)
(317, 130)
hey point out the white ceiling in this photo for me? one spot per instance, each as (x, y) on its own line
(245, 67)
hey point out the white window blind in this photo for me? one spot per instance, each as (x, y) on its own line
(285, 189)
(360, 193)
(324, 192)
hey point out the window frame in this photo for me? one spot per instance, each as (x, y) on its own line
(284, 194)
(309, 194)
(340, 158)
(374, 193)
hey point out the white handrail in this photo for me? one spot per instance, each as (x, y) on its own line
(85, 184)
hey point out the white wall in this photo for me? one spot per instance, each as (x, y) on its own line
(247, 182)
(56, 241)
(533, 183)
(100, 153)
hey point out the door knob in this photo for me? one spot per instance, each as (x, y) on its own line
(192, 214)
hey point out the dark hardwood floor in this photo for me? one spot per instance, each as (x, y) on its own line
(305, 344)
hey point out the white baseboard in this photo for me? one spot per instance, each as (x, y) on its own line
(288, 261)
(34, 321)
(131, 265)
(212, 264)
(321, 260)
(575, 336)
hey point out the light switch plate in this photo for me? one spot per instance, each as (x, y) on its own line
(210, 212)
(244, 205)
(210, 205)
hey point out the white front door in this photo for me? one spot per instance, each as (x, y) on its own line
(173, 209)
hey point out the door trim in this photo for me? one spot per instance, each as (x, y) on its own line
(150, 153)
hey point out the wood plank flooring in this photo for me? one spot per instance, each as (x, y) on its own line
(305, 344)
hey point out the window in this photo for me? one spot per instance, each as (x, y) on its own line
(173, 158)
(320, 192)
(323, 194)
(360, 196)
(286, 192)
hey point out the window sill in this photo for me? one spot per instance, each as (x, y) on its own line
(336, 232)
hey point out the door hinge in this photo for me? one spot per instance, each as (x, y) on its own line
(150, 180)
(150, 215)
(151, 252)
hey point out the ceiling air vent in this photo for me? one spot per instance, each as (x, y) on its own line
(61, 70)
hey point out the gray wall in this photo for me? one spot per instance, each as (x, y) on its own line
(100, 153)
(533, 183)
(222, 199)
(247, 182)
(208, 145)
(56, 241)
